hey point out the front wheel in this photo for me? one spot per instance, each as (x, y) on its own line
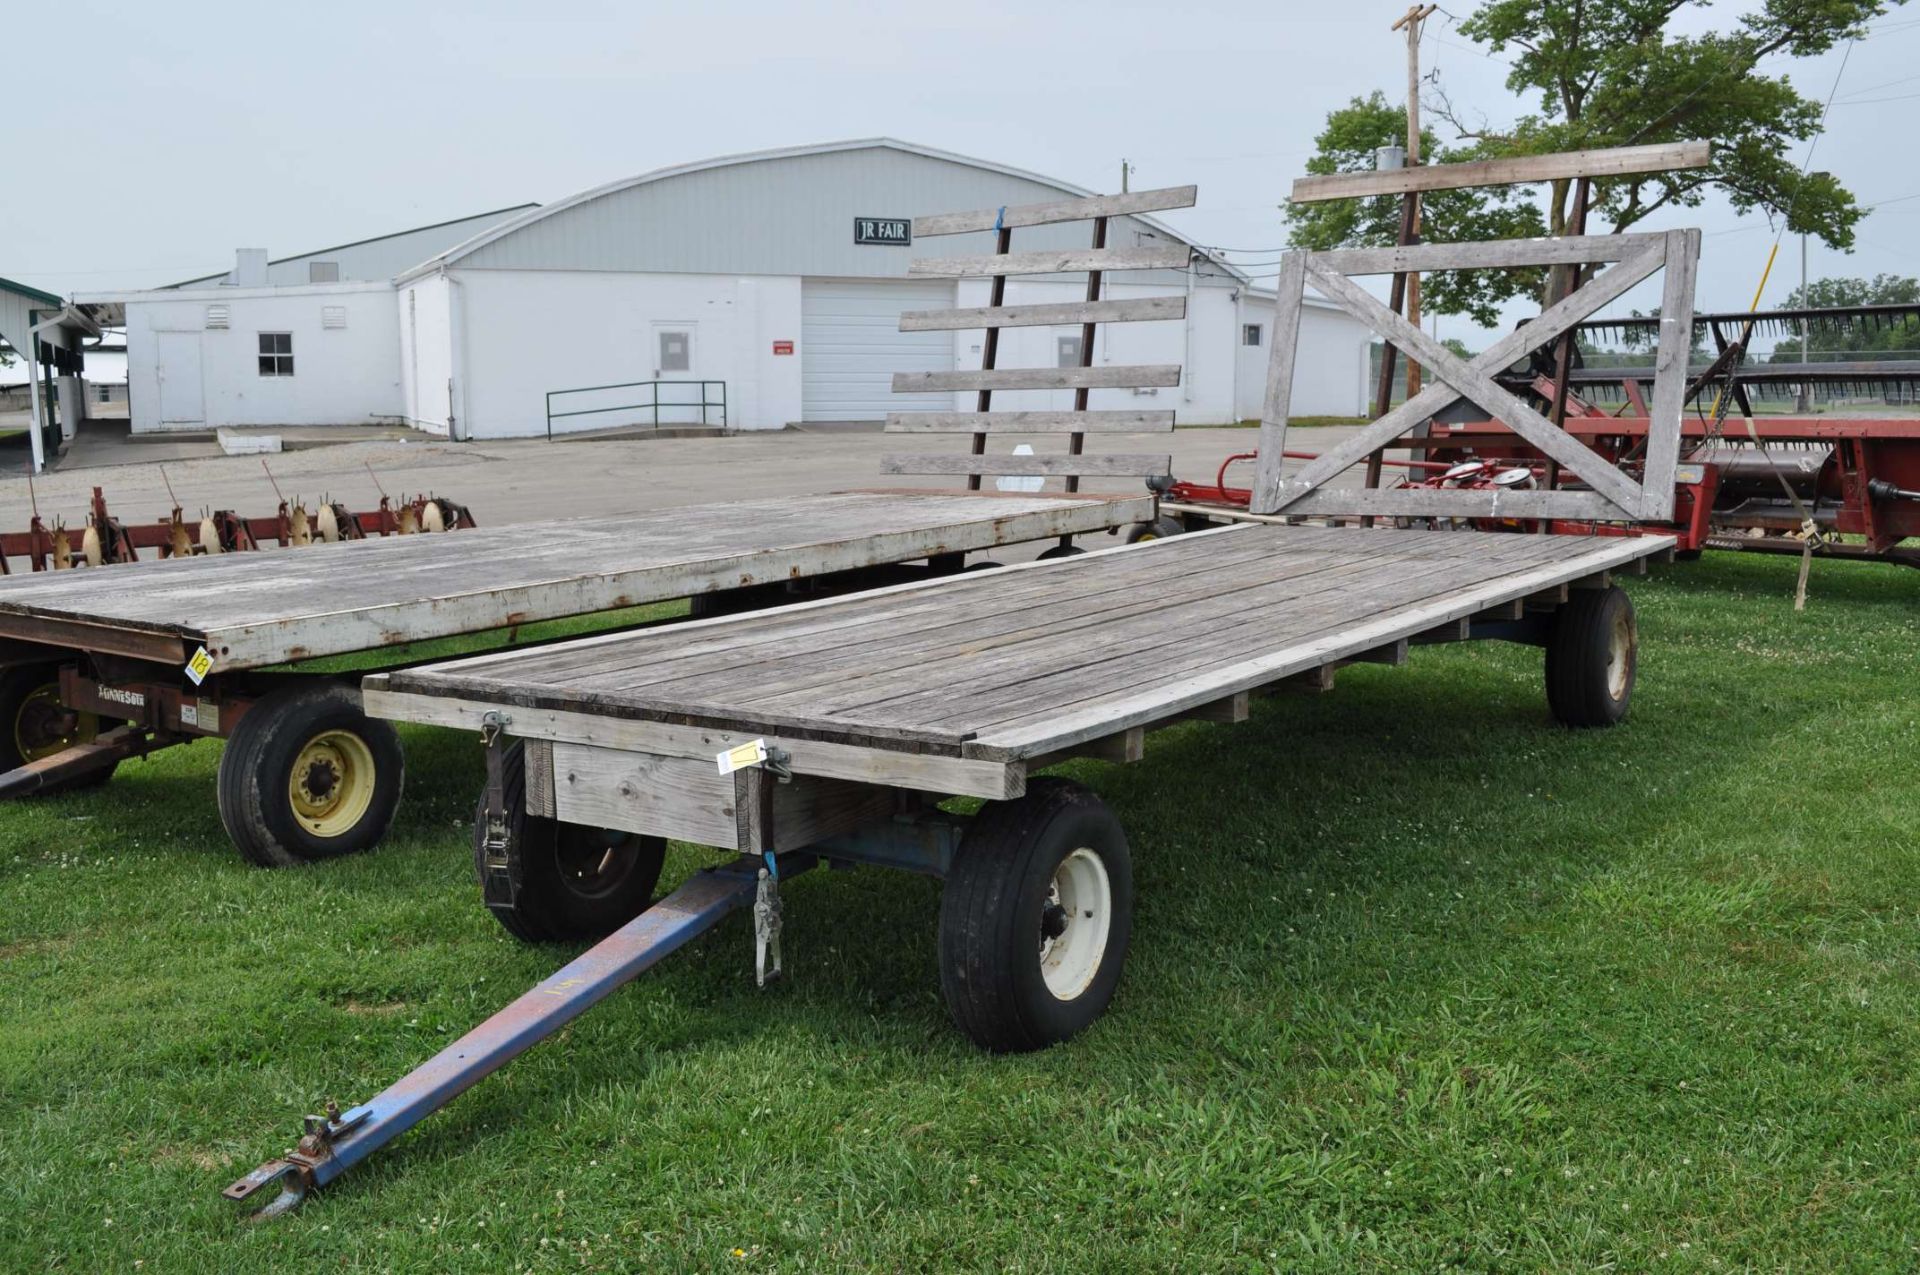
(575, 882)
(307, 775)
(1592, 654)
(1036, 918)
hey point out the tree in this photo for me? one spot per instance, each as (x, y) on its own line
(1893, 337)
(1447, 216)
(1602, 74)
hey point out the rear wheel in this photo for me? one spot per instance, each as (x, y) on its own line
(35, 724)
(1158, 529)
(307, 775)
(1060, 551)
(1592, 655)
(575, 882)
(1036, 918)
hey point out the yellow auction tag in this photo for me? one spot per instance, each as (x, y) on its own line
(199, 666)
(740, 756)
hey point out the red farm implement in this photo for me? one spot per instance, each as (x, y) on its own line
(105, 540)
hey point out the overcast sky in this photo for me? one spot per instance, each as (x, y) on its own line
(169, 134)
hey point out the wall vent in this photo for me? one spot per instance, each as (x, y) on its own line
(217, 316)
(333, 316)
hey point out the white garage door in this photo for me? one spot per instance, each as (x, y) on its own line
(851, 345)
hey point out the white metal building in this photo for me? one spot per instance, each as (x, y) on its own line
(773, 281)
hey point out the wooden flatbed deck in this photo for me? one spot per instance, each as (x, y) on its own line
(963, 681)
(253, 609)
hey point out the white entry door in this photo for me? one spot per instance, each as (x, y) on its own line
(182, 399)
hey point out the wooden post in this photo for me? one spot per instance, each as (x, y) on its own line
(1563, 362)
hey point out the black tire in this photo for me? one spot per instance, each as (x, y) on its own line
(985, 564)
(33, 724)
(1687, 555)
(996, 901)
(571, 888)
(352, 770)
(1159, 529)
(1591, 657)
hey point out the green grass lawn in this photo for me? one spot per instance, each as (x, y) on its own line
(1419, 981)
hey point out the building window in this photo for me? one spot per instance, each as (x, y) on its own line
(276, 354)
(1067, 351)
(323, 272)
(1250, 334)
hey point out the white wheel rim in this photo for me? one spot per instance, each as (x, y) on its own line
(1080, 904)
(1619, 657)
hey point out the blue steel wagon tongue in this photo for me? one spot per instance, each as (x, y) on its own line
(336, 1141)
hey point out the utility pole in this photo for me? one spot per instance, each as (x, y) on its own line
(1126, 169)
(1410, 21)
(1805, 405)
(1804, 400)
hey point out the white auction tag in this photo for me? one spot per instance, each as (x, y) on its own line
(740, 756)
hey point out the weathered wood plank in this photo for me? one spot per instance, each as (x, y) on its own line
(1050, 658)
(1117, 465)
(886, 767)
(1129, 310)
(1119, 376)
(888, 653)
(1122, 748)
(1563, 166)
(1493, 254)
(1160, 701)
(1130, 657)
(1058, 210)
(538, 769)
(825, 620)
(1232, 708)
(1102, 422)
(1289, 295)
(1121, 591)
(1427, 502)
(1052, 674)
(920, 623)
(687, 799)
(1054, 261)
(1670, 374)
(683, 798)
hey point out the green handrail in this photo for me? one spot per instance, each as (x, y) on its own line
(652, 404)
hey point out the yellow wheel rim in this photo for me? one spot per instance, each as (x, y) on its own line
(332, 783)
(44, 726)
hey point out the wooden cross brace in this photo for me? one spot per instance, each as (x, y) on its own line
(1612, 494)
